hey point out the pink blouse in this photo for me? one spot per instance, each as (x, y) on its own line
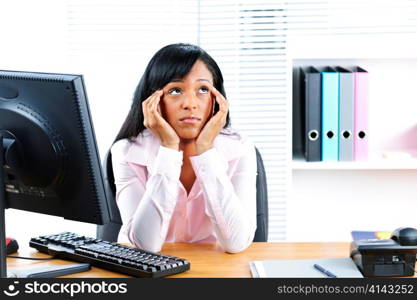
(155, 207)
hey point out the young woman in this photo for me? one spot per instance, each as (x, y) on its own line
(181, 173)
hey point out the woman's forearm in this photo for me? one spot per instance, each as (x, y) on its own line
(149, 223)
(230, 202)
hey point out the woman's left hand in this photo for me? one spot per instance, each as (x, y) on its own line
(213, 127)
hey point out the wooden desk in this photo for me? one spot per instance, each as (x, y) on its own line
(208, 260)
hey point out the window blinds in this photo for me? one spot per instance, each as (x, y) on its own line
(248, 40)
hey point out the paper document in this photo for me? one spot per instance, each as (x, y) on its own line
(341, 267)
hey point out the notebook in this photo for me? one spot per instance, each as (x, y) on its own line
(341, 267)
(369, 235)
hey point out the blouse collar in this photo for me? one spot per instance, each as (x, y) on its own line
(144, 148)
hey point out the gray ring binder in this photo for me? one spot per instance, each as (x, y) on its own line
(313, 135)
(346, 134)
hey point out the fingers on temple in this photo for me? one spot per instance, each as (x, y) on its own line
(221, 100)
(149, 107)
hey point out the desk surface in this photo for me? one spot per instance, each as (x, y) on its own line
(208, 259)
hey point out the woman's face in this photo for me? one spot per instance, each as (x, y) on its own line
(187, 103)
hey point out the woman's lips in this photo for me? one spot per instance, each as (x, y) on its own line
(190, 120)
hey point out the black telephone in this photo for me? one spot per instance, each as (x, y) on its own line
(391, 257)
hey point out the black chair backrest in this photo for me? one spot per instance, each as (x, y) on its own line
(261, 233)
(108, 170)
(110, 231)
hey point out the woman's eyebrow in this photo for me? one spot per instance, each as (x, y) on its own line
(200, 79)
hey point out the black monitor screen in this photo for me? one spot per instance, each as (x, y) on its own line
(51, 161)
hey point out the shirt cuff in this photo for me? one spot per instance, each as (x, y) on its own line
(210, 161)
(168, 162)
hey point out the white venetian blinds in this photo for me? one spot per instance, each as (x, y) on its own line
(248, 40)
(351, 17)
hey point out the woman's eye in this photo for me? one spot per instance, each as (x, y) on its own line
(174, 91)
(204, 90)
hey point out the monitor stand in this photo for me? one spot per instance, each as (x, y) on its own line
(44, 272)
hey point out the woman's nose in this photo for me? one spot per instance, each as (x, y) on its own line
(190, 101)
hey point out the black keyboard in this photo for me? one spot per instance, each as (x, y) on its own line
(110, 256)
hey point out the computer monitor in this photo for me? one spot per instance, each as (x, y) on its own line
(48, 153)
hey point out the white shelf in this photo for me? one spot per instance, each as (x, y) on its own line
(369, 165)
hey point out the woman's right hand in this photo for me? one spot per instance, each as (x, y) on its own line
(154, 121)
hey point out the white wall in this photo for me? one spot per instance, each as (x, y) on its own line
(326, 205)
(33, 38)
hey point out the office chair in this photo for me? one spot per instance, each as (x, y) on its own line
(110, 231)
